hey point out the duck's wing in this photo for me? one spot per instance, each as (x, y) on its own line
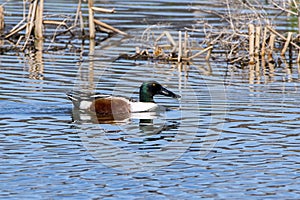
(84, 99)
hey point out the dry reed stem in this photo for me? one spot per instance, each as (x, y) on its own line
(257, 40)
(263, 44)
(179, 46)
(17, 26)
(28, 15)
(298, 58)
(30, 19)
(283, 9)
(2, 24)
(56, 23)
(30, 22)
(209, 51)
(282, 37)
(77, 13)
(251, 42)
(168, 35)
(201, 52)
(15, 31)
(103, 10)
(81, 23)
(185, 53)
(286, 44)
(38, 27)
(106, 26)
(19, 40)
(271, 46)
(91, 19)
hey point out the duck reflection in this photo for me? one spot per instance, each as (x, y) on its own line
(146, 120)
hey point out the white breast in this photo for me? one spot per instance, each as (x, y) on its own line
(142, 106)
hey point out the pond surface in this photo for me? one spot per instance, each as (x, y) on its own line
(234, 134)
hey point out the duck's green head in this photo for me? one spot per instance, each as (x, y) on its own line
(149, 89)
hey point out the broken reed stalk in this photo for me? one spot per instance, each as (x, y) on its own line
(38, 26)
(77, 13)
(209, 51)
(263, 44)
(271, 46)
(106, 26)
(15, 31)
(297, 13)
(251, 42)
(168, 35)
(30, 22)
(185, 44)
(201, 52)
(2, 24)
(282, 37)
(91, 19)
(103, 10)
(286, 44)
(81, 22)
(179, 46)
(257, 40)
(30, 18)
(298, 21)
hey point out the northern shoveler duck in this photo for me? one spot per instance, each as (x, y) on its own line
(113, 105)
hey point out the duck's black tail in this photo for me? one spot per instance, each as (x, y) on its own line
(74, 97)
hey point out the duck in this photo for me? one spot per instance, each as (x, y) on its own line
(104, 105)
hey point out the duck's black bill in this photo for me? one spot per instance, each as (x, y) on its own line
(168, 93)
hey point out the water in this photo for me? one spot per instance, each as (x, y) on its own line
(233, 134)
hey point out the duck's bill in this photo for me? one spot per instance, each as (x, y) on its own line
(168, 93)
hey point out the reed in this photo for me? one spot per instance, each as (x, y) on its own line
(257, 40)
(2, 24)
(251, 42)
(286, 44)
(38, 26)
(34, 23)
(91, 19)
(179, 46)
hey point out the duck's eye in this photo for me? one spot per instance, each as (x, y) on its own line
(153, 84)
